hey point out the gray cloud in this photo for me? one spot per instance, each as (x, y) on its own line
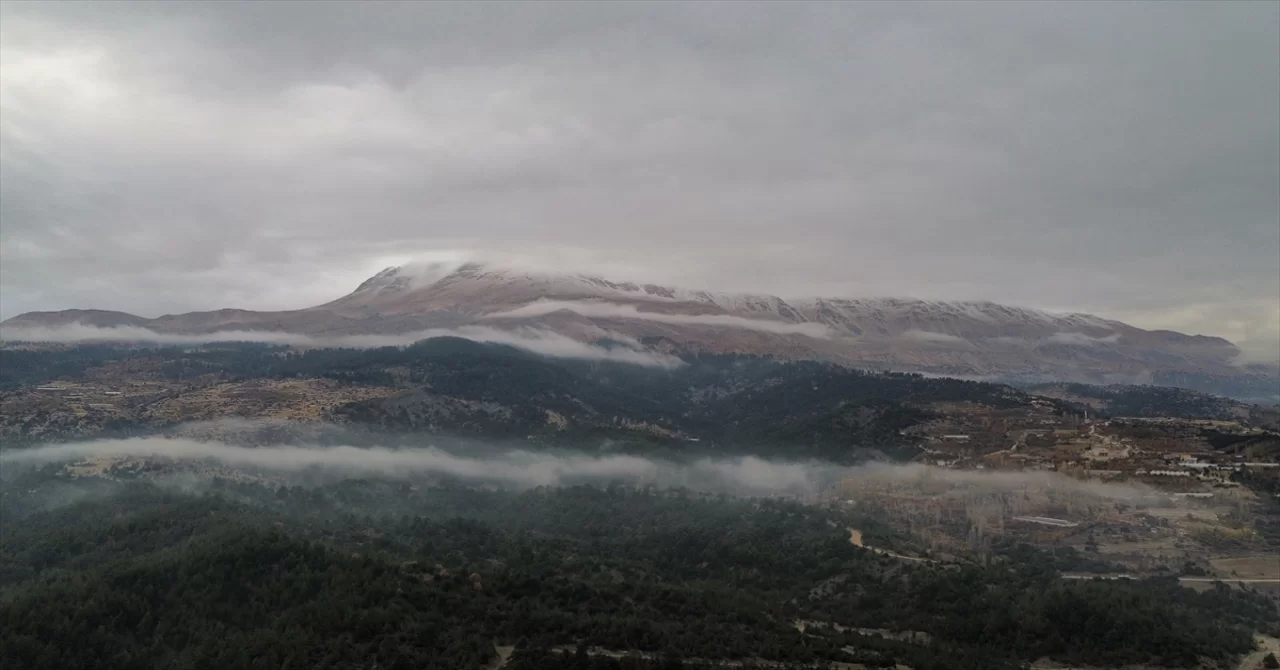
(538, 341)
(1117, 158)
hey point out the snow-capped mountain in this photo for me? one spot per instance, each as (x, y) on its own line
(953, 338)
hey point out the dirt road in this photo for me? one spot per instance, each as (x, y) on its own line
(1185, 580)
(855, 538)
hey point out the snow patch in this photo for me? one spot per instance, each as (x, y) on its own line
(608, 310)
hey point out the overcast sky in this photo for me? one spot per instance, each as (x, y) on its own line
(1120, 159)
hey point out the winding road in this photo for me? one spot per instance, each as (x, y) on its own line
(855, 538)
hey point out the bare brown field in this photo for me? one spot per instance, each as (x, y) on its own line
(291, 399)
(1248, 567)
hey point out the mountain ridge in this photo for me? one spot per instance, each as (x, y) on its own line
(957, 338)
(395, 279)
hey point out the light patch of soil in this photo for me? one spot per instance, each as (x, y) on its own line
(94, 466)
(503, 652)
(1181, 514)
(293, 399)
(1247, 567)
(1266, 645)
(855, 538)
(557, 419)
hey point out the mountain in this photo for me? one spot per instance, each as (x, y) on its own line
(968, 339)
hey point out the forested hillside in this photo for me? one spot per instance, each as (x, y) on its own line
(714, 404)
(1127, 400)
(243, 575)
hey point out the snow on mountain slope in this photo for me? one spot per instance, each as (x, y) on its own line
(956, 338)
(484, 291)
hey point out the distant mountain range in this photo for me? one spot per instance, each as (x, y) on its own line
(964, 339)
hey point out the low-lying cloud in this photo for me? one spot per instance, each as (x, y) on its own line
(1067, 338)
(535, 340)
(1257, 353)
(930, 337)
(1080, 339)
(745, 475)
(609, 310)
(516, 468)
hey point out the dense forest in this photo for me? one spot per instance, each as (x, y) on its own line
(1131, 400)
(222, 574)
(447, 385)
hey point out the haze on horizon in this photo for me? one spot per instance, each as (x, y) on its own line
(1120, 159)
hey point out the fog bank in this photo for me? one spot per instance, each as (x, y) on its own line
(609, 310)
(745, 475)
(535, 340)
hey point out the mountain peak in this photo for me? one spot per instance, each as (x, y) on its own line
(410, 276)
